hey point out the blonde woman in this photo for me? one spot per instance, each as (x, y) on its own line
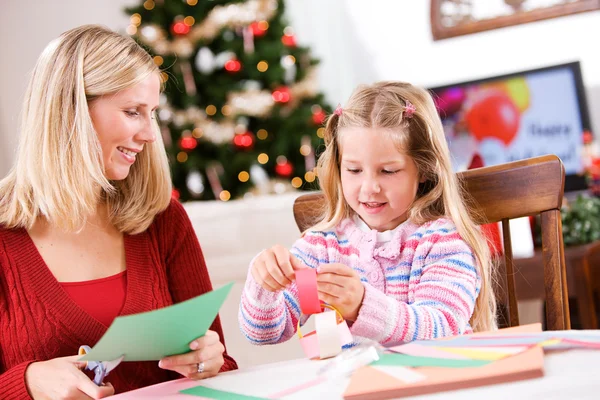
(88, 230)
(396, 252)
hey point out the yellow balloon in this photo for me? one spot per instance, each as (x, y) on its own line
(516, 89)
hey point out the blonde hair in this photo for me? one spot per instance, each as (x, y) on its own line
(382, 105)
(59, 172)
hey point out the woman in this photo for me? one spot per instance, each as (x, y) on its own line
(88, 230)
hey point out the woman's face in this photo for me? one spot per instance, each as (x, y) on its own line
(124, 124)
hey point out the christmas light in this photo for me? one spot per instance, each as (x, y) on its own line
(225, 195)
(189, 20)
(197, 133)
(321, 132)
(309, 176)
(211, 110)
(263, 158)
(226, 110)
(259, 28)
(131, 30)
(149, 5)
(135, 19)
(297, 182)
(188, 143)
(180, 28)
(262, 134)
(182, 156)
(305, 150)
(281, 94)
(233, 65)
(244, 141)
(192, 2)
(262, 66)
(158, 60)
(244, 176)
(164, 77)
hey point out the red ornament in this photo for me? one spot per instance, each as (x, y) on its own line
(587, 137)
(180, 28)
(188, 143)
(244, 141)
(319, 117)
(281, 94)
(494, 114)
(175, 194)
(233, 65)
(289, 40)
(284, 169)
(259, 28)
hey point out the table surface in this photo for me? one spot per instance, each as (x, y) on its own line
(568, 374)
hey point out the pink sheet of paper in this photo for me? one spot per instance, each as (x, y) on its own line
(164, 391)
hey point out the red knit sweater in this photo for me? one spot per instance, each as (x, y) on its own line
(39, 321)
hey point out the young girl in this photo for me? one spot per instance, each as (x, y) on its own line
(396, 251)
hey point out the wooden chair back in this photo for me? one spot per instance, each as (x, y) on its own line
(501, 193)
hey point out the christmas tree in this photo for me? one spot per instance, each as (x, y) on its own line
(241, 112)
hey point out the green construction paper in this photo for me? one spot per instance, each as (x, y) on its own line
(164, 332)
(203, 391)
(404, 360)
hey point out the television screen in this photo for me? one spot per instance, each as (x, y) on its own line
(516, 116)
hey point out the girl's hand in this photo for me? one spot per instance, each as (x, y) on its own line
(204, 361)
(274, 268)
(340, 286)
(62, 378)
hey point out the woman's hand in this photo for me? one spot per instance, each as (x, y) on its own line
(204, 361)
(340, 286)
(62, 378)
(274, 268)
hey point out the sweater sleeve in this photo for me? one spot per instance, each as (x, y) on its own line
(12, 382)
(186, 269)
(272, 317)
(444, 287)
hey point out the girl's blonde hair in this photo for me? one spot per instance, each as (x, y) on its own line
(382, 105)
(59, 172)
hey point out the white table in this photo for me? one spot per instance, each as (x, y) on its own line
(572, 374)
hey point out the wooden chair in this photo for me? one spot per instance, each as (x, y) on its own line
(503, 192)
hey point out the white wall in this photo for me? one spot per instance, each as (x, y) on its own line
(25, 29)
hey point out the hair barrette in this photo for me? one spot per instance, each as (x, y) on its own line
(409, 109)
(338, 110)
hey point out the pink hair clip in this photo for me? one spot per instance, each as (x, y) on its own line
(338, 110)
(409, 109)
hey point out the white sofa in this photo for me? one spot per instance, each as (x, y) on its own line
(231, 234)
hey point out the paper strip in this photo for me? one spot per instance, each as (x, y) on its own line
(413, 349)
(210, 393)
(306, 280)
(310, 341)
(412, 361)
(327, 334)
(404, 374)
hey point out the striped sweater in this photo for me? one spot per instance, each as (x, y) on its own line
(419, 284)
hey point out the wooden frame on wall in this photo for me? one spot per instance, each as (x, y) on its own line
(445, 25)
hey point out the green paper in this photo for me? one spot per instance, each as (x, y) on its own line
(203, 391)
(404, 360)
(164, 332)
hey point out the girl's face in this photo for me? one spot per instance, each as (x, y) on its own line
(379, 182)
(124, 124)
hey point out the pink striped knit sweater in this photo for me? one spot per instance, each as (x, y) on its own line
(420, 284)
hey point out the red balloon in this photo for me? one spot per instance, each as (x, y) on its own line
(494, 114)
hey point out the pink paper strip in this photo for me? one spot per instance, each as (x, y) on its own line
(306, 280)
